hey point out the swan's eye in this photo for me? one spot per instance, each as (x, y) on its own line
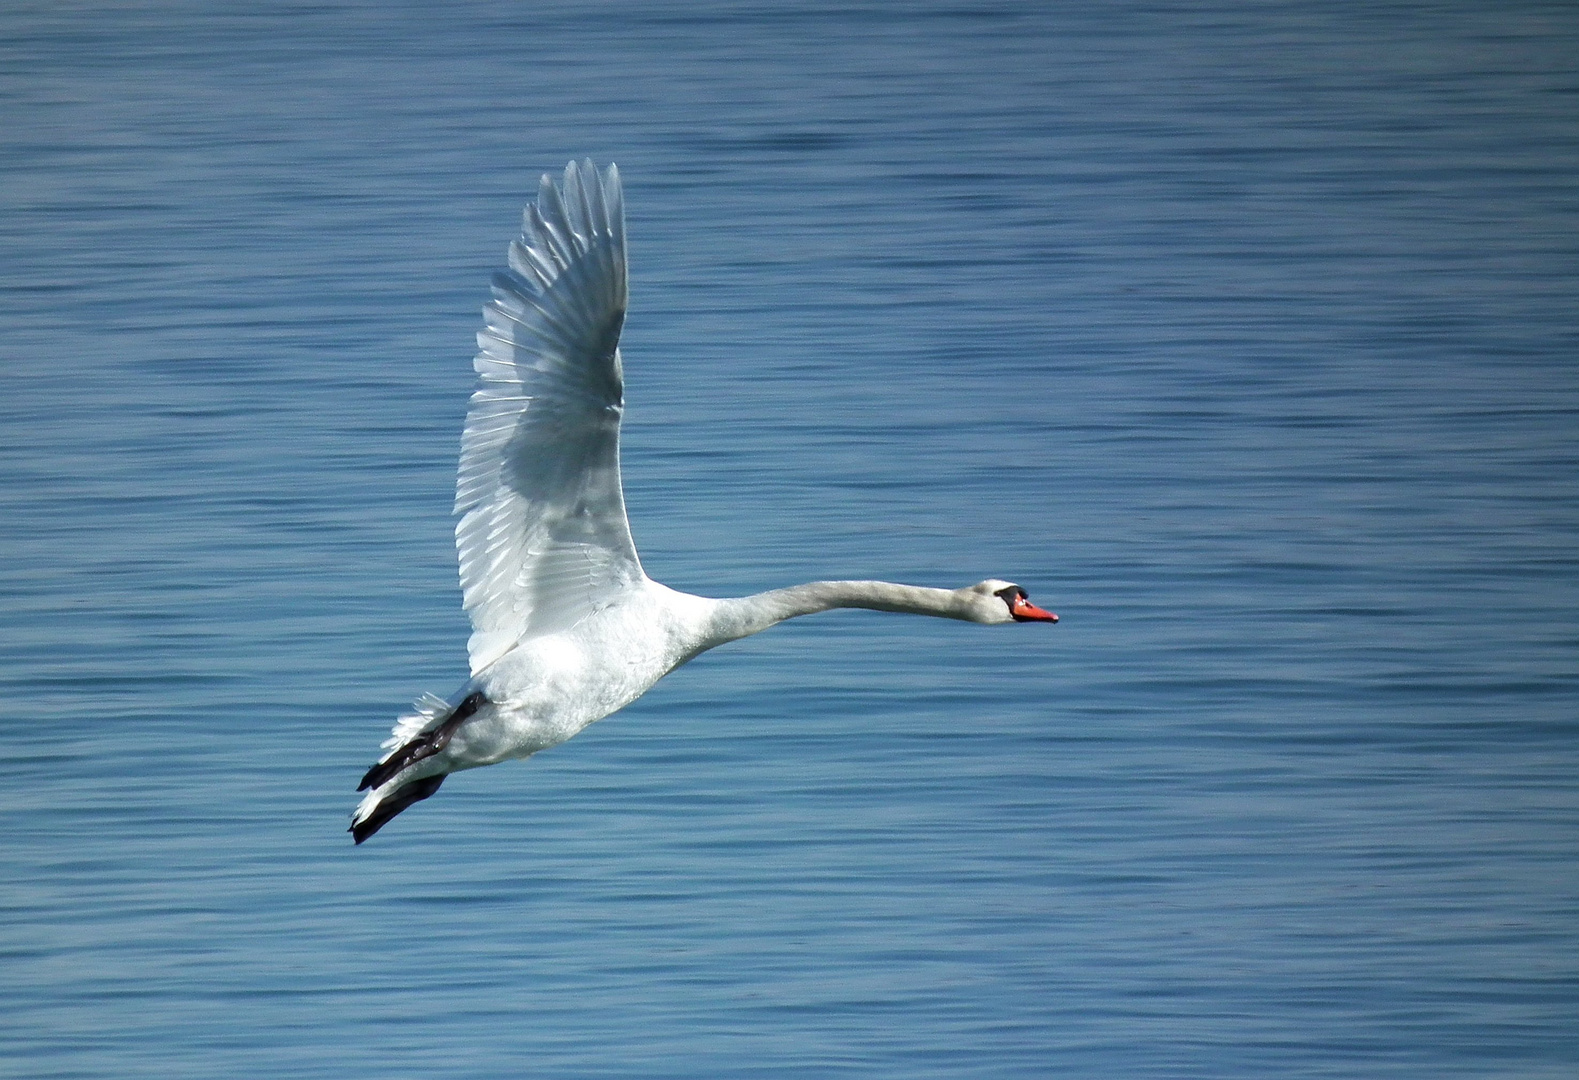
(1012, 596)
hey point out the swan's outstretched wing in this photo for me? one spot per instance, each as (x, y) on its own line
(543, 539)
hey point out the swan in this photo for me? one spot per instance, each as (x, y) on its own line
(567, 628)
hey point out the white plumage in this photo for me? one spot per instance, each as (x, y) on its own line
(542, 532)
(567, 627)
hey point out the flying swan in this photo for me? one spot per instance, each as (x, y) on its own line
(567, 626)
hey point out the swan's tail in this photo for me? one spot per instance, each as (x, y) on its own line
(417, 737)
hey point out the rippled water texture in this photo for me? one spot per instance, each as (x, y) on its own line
(1243, 335)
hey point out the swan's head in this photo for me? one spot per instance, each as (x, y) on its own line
(994, 601)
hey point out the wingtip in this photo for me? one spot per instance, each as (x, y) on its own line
(582, 169)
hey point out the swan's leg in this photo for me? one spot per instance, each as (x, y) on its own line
(394, 803)
(422, 746)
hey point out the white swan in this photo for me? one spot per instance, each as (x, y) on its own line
(568, 628)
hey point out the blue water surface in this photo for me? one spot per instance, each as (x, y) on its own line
(1244, 335)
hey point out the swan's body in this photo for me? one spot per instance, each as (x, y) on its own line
(567, 626)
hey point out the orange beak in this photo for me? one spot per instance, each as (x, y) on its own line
(1025, 611)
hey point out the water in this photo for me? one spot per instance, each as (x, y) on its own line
(1243, 335)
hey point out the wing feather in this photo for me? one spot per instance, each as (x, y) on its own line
(542, 537)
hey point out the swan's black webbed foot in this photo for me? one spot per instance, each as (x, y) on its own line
(393, 804)
(422, 746)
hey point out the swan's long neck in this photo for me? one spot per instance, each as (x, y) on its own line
(746, 615)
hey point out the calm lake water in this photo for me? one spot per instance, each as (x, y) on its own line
(1244, 335)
